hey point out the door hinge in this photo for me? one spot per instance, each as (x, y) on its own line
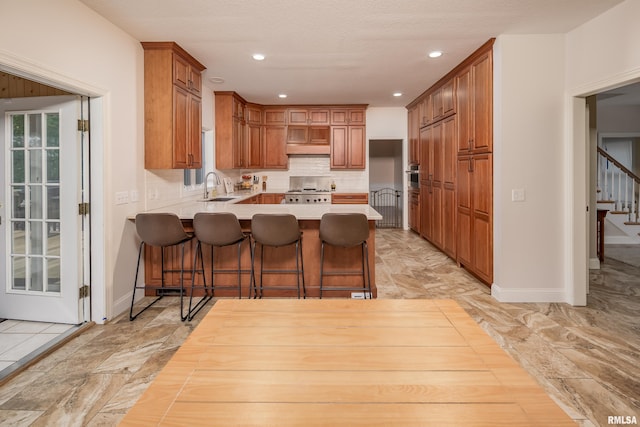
(83, 125)
(83, 208)
(84, 292)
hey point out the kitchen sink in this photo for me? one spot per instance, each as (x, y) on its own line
(217, 199)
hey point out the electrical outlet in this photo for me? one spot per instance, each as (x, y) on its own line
(122, 197)
(360, 295)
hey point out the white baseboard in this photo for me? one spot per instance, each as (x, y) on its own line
(528, 295)
(123, 304)
(594, 264)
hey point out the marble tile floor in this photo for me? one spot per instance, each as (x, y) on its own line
(586, 358)
(21, 341)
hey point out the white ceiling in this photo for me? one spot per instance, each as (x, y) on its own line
(337, 51)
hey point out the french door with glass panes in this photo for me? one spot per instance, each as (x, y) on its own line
(41, 230)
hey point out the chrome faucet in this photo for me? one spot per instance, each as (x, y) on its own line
(206, 180)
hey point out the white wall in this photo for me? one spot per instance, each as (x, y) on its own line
(528, 154)
(69, 44)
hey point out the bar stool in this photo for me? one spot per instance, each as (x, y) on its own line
(345, 230)
(161, 230)
(216, 230)
(276, 230)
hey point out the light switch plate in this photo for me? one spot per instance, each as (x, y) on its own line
(517, 195)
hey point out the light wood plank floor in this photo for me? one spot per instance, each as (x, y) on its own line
(342, 363)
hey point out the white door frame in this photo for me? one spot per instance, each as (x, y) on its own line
(23, 67)
(578, 187)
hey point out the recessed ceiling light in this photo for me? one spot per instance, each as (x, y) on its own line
(397, 94)
(216, 80)
(282, 95)
(258, 56)
(435, 54)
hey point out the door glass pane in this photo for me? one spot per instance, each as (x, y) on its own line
(19, 270)
(36, 272)
(35, 166)
(19, 201)
(18, 237)
(35, 130)
(17, 166)
(53, 130)
(53, 239)
(35, 202)
(53, 202)
(53, 275)
(17, 139)
(53, 168)
(36, 242)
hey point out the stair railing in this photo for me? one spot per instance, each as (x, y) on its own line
(617, 184)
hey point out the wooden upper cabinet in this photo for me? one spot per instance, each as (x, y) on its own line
(414, 135)
(186, 76)
(253, 114)
(172, 107)
(231, 133)
(426, 110)
(275, 143)
(319, 117)
(309, 116)
(348, 148)
(275, 116)
(475, 107)
(348, 116)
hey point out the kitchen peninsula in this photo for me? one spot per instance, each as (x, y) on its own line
(309, 219)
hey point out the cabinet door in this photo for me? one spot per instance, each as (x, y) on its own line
(482, 104)
(339, 147)
(482, 226)
(275, 156)
(357, 148)
(181, 72)
(254, 146)
(239, 145)
(437, 109)
(464, 214)
(298, 116)
(436, 192)
(414, 136)
(195, 82)
(319, 117)
(448, 98)
(195, 132)
(180, 128)
(464, 112)
(275, 117)
(426, 110)
(449, 186)
(254, 115)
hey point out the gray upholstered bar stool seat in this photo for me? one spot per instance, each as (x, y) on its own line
(162, 230)
(276, 230)
(345, 230)
(217, 230)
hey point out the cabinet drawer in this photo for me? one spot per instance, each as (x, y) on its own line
(350, 198)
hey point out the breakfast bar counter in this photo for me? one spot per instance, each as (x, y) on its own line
(336, 259)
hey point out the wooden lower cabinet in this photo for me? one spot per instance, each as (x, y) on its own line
(414, 210)
(271, 198)
(350, 198)
(336, 259)
(475, 215)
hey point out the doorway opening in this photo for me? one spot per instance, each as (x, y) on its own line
(386, 181)
(43, 240)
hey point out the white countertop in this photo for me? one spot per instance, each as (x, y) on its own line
(188, 209)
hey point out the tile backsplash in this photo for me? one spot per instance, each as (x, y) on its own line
(165, 187)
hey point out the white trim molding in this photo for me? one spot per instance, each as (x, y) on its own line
(528, 295)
